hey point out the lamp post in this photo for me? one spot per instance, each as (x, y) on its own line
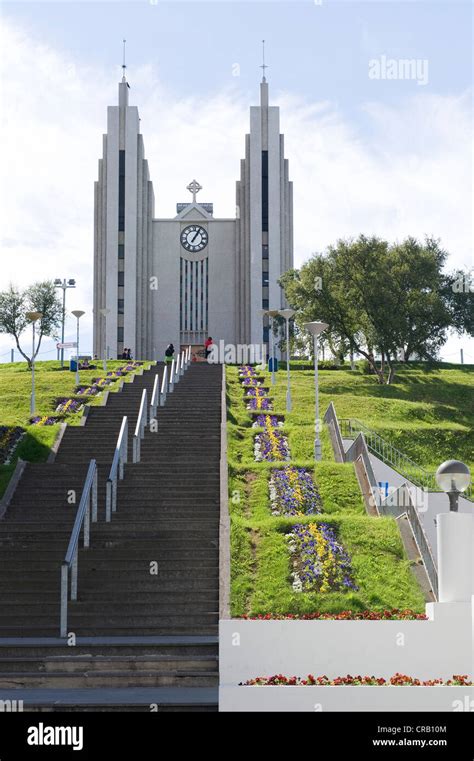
(77, 314)
(64, 284)
(271, 313)
(453, 477)
(33, 317)
(104, 313)
(316, 328)
(287, 314)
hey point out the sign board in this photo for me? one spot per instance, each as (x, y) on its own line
(70, 345)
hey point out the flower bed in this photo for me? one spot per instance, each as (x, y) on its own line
(251, 382)
(87, 390)
(247, 371)
(271, 445)
(260, 403)
(256, 391)
(10, 437)
(320, 562)
(393, 614)
(44, 420)
(101, 382)
(293, 492)
(397, 680)
(68, 406)
(261, 421)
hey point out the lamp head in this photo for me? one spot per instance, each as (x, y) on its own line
(315, 328)
(72, 283)
(453, 476)
(104, 312)
(78, 313)
(33, 316)
(58, 281)
(287, 313)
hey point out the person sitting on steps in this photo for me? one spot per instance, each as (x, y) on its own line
(208, 346)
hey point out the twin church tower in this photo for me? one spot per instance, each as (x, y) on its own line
(179, 280)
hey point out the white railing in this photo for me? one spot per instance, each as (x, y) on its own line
(155, 397)
(87, 509)
(176, 370)
(171, 383)
(140, 427)
(116, 470)
(164, 389)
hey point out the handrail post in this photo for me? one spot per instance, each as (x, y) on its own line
(64, 596)
(94, 497)
(171, 382)
(87, 522)
(176, 370)
(181, 363)
(74, 569)
(108, 500)
(163, 387)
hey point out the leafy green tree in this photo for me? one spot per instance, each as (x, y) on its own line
(39, 297)
(376, 298)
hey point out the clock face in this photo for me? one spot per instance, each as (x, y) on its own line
(194, 238)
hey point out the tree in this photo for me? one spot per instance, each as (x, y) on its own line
(39, 297)
(376, 297)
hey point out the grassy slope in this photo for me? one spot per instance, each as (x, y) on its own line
(429, 415)
(50, 383)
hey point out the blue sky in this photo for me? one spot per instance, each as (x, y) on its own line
(387, 157)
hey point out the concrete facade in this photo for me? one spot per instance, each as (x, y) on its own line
(154, 288)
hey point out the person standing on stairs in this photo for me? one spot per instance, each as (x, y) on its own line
(169, 352)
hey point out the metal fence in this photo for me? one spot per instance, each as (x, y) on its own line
(385, 451)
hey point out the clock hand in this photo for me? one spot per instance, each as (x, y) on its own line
(195, 236)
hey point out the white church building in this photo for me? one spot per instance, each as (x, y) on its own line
(183, 279)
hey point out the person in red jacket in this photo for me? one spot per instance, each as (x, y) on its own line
(208, 345)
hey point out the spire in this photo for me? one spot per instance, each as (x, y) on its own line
(123, 85)
(263, 83)
(263, 66)
(124, 65)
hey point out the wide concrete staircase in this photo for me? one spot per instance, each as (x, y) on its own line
(144, 627)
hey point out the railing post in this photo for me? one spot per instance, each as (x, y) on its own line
(108, 500)
(176, 370)
(163, 387)
(181, 363)
(87, 522)
(74, 575)
(171, 382)
(94, 497)
(64, 597)
(114, 495)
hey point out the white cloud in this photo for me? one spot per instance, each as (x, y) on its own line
(407, 173)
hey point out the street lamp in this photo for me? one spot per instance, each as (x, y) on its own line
(453, 477)
(104, 313)
(64, 284)
(77, 314)
(316, 328)
(271, 313)
(33, 317)
(287, 314)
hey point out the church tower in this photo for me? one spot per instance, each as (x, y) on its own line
(181, 279)
(264, 222)
(123, 237)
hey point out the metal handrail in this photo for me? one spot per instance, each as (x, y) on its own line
(361, 448)
(176, 369)
(181, 363)
(70, 562)
(171, 383)
(164, 383)
(140, 427)
(392, 456)
(155, 397)
(116, 470)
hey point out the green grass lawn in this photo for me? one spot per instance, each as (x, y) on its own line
(428, 413)
(51, 383)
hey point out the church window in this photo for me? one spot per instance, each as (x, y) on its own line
(121, 251)
(120, 306)
(121, 199)
(121, 278)
(264, 191)
(119, 334)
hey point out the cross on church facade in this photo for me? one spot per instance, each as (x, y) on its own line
(194, 187)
